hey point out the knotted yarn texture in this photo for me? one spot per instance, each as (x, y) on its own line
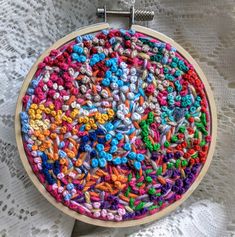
(116, 125)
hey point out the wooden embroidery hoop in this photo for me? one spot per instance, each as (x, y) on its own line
(74, 214)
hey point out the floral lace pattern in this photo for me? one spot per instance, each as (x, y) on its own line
(205, 28)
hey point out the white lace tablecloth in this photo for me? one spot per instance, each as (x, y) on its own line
(206, 28)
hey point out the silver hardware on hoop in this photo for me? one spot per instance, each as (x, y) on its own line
(133, 14)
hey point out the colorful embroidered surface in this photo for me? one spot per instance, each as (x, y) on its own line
(116, 125)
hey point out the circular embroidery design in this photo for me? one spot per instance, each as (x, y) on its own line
(116, 125)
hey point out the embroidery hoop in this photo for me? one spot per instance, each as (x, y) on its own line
(39, 185)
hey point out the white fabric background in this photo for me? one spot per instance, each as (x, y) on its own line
(206, 28)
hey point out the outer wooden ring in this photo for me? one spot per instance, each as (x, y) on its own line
(66, 210)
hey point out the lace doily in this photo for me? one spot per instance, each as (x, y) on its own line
(205, 28)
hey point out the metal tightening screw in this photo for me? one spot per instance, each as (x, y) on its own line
(133, 14)
(143, 15)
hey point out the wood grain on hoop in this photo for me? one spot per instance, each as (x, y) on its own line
(74, 214)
